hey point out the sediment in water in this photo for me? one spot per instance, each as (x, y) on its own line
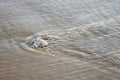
(88, 41)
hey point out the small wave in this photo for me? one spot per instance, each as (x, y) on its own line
(88, 41)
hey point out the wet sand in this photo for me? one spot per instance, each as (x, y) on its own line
(86, 48)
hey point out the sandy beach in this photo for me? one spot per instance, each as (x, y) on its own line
(85, 43)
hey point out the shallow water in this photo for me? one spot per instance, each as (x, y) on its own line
(84, 43)
(94, 41)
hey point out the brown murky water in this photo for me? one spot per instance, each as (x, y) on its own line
(84, 46)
